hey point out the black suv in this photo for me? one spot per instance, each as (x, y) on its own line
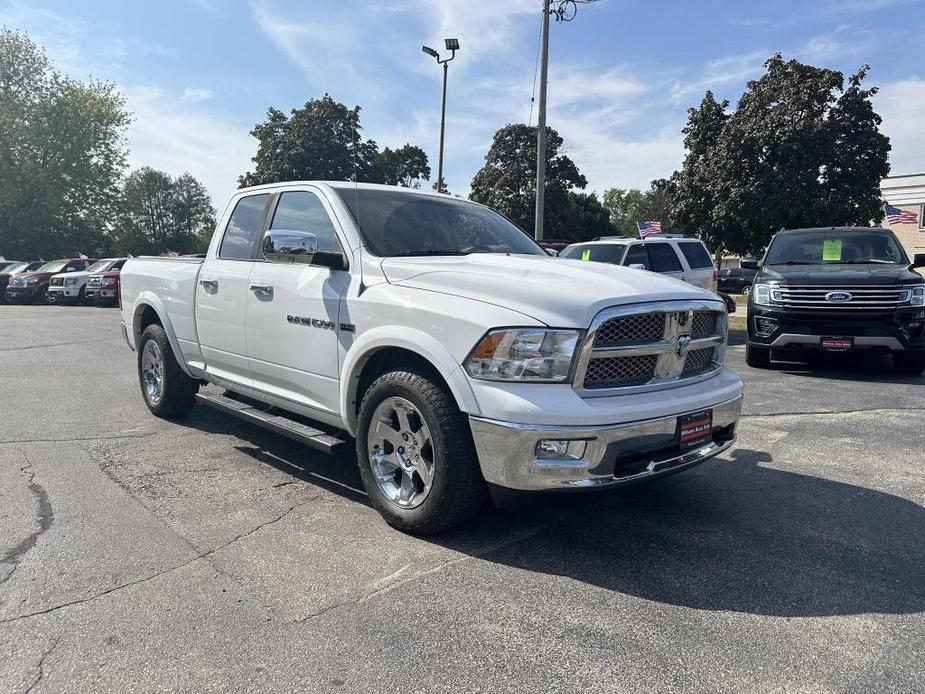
(837, 289)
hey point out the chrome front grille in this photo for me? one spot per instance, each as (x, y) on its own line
(648, 345)
(56, 282)
(849, 297)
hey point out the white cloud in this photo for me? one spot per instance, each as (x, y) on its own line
(178, 138)
(902, 106)
(195, 95)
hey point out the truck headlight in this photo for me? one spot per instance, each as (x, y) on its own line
(917, 296)
(106, 281)
(761, 294)
(30, 281)
(70, 281)
(523, 354)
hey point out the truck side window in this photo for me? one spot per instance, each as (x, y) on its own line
(664, 259)
(303, 211)
(243, 228)
(637, 255)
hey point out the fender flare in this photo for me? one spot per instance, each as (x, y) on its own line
(413, 340)
(150, 299)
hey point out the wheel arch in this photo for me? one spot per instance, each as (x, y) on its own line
(380, 353)
(149, 310)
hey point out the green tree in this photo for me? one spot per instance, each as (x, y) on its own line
(507, 181)
(62, 155)
(320, 141)
(405, 166)
(629, 206)
(589, 218)
(160, 213)
(800, 149)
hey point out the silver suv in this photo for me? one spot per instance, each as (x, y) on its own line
(681, 257)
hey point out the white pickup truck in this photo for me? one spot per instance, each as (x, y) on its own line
(461, 357)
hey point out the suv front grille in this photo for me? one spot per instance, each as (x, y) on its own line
(651, 344)
(858, 297)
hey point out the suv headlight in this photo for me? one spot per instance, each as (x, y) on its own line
(917, 295)
(524, 354)
(760, 294)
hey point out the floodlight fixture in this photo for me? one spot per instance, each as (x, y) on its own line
(430, 51)
(451, 44)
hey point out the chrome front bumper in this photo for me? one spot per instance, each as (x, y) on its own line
(600, 456)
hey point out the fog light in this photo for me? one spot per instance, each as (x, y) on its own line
(560, 449)
(765, 326)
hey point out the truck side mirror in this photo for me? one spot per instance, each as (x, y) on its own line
(918, 260)
(749, 263)
(636, 266)
(284, 246)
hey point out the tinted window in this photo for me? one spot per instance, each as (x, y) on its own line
(598, 252)
(696, 254)
(243, 228)
(835, 246)
(638, 255)
(302, 211)
(664, 259)
(400, 222)
(76, 266)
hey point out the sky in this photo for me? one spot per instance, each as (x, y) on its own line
(197, 75)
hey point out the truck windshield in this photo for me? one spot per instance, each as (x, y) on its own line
(402, 223)
(835, 247)
(53, 266)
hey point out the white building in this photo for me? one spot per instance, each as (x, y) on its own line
(907, 193)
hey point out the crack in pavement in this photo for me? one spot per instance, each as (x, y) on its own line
(41, 666)
(158, 574)
(46, 517)
(831, 412)
(69, 439)
(57, 344)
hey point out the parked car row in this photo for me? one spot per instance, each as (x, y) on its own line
(63, 281)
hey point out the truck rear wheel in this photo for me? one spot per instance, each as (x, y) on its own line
(757, 357)
(911, 363)
(416, 455)
(167, 391)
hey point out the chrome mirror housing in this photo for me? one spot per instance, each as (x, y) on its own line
(287, 246)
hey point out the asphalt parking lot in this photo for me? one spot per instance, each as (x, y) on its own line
(209, 555)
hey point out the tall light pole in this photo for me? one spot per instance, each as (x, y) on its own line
(564, 11)
(452, 45)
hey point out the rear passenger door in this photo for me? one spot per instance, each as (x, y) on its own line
(222, 291)
(664, 260)
(637, 254)
(701, 264)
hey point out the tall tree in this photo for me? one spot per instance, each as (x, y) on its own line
(507, 181)
(62, 155)
(799, 150)
(629, 206)
(160, 213)
(320, 141)
(589, 218)
(405, 166)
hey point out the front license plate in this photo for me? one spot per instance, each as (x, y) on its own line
(695, 429)
(836, 344)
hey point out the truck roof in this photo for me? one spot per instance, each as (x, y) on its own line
(349, 185)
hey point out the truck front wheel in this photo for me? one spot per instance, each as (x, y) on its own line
(167, 391)
(416, 455)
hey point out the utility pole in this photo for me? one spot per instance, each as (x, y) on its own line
(565, 11)
(541, 127)
(452, 45)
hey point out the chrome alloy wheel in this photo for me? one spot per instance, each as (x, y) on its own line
(401, 452)
(152, 372)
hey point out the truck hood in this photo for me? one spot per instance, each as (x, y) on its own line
(860, 275)
(559, 292)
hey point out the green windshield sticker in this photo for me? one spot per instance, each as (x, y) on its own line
(831, 249)
(586, 254)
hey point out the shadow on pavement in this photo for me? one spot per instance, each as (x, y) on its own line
(729, 535)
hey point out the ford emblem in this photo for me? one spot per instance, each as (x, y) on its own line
(839, 297)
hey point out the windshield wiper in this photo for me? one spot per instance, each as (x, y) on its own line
(866, 262)
(799, 262)
(405, 254)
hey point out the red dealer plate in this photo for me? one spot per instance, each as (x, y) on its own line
(837, 344)
(695, 429)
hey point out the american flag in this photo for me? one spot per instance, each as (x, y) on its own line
(894, 215)
(649, 228)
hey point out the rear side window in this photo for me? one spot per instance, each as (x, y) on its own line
(664, 259)
(598, 252)
(696, 254)
(303, 211)
(638, 255)
(243, 228)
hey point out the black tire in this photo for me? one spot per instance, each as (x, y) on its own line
(178, 391)
(48, 298)
(909, 363)
(757, 357)
(458, 489)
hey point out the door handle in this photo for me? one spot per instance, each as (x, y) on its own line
(209, 285)
(262, 291)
